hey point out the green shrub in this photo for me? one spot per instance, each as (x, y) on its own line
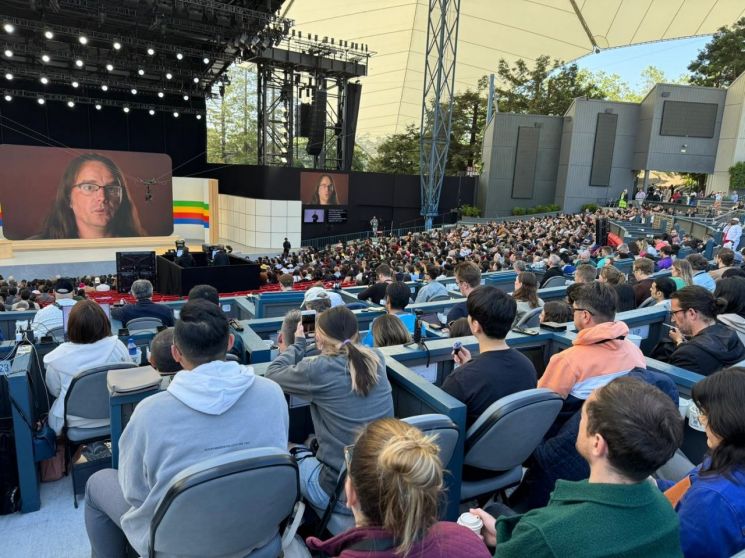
(591, 207)
(469, 210)
(518, 211)
(737, 176)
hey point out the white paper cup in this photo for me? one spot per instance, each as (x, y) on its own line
(683, 405)
(471, 521)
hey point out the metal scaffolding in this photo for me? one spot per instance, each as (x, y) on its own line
(437, 101)
(276, 108)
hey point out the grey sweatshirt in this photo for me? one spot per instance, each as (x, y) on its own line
(338, 413)
(216, 408)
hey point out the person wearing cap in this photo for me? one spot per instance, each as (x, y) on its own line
(50, 317)
(142, 290)
(732, 234)
(317, 290)
(100, 286)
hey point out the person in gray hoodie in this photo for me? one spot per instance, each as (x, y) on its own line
(210, 408)
(732, 290)
(347, 388)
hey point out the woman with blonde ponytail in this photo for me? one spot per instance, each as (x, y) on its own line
(394, 487)
(347, 388)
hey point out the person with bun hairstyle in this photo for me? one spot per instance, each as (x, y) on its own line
(702, 344)
(394, 488)
(710, 500)
(347, 388)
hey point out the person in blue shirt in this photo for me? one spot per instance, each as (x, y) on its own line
(700, 276)
(396, 299)
(433, 288)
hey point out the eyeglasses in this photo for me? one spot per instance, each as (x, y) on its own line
(583, 310)
(673, 312)
(90, 189)
(348, 453)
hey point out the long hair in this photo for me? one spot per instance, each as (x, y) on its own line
(316, 199)
(389, 330)
(397, 474)
(60, 222)
(339, 326)
(528, 289)
(684, 270)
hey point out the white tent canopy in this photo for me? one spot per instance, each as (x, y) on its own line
(490, 30)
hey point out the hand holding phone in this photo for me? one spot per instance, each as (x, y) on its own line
(461, 355)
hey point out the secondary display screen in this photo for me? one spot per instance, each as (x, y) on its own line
(324, 188)
(314, 215)
(51, 192)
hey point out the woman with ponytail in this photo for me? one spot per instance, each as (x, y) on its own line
(710, 501)
(347, 388)
(394, 487)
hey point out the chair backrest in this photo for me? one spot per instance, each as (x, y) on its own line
(439, 298)
(532, 318)
(143, 323)
(510, 429)
(88, 394)
(228, 505)
(442, 428)
(555, 281)
(649, 301)
(57, 333)
(230, 357)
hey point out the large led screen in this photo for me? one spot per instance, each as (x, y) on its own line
(324, 188)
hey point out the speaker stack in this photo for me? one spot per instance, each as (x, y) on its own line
(602, 228)
(317, 123)
(131, 266)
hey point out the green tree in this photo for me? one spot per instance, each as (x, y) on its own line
(398, 153)
(737, 176)
(722, 59)
(467, 132)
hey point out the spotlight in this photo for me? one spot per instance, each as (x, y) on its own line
(126, 109)
(104, 87)
(8, 98)
(117, 45)
(83, 40)
(206, 60)
(71, 104)
(45, 58)
(134, 91)
(141, 72)
(152, 112)
(9, 76)
(151, 51)
(75, 84)
(175, 115)
(161, 94)
(199, 116)
(79, 63)
(8, 53)
(40, 100)
(44, 80)
(110, 67)
(49, 35)
(179, 56)
(186, 97)
(169, 75)
(196, 79)
(98, 106)
(9, 28)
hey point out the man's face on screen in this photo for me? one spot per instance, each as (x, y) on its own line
(94, 210)
(325, 189)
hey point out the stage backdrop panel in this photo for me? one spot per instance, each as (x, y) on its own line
(194, 209)
(31, 176)
(260, 223)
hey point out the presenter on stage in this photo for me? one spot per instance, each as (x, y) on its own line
(374, 225)
(92, 201)
(325, 193)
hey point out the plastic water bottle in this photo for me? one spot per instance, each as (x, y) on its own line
(132, 348)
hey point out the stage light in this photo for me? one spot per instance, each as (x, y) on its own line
(44, 80)
(199, 116)
(98, 106)
(45, 58)
(110, 67)
(141, 72)
(186, 97)
(161, 94)
(152, 112)
(79, 63)
(104, 87)
(49, 35)
(175, 115)
(40, 100)
(71, 104)
(83, 40)
(75, 84)
(179, 56)
(126, 109)
(206, 60)
(151, 51)
(9, 76)
(134, 91)
(196, 79)
(9, 28)
(8, 98)
(169, 75)
(117, 45)
(8, 53)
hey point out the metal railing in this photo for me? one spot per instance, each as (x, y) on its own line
(323, 241)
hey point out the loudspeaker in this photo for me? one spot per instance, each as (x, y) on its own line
(306, 109)
(351, 111)
(602, 228)
(317, 123)
(131, 266)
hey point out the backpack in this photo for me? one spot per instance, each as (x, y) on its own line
(9, 492)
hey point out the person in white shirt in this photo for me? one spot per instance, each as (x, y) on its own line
(732, 234)
(639, 198)
(50, 317)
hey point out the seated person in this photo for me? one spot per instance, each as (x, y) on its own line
(286, 333)
(144, 307)
(732, 290)
(616, 512)
(702, 344)
(347, 387)
(211, 407)
(666, 259)
(554, 269)
(715, 490)
(316, 299)
(556, 311)
(50, 318)
(90, 344)
(585, 273)
(25, 295)
(376, 293)
(526, 294)
(699, 265)
(498, 370)
(460, 328)
(725, 260)
(606, 257)
(389, 330)
(432, 287)
(467, 277)
(642, 269)
(396, 300)
(210, 294)
(161, 357)
(334, 297)
(625, 294)
(286, 282)
(394, 487)
(661, 290)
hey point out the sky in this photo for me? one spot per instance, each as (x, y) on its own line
(672, 57)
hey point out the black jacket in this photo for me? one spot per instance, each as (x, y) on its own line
(551, 272)
(714, 348)
(143, 309)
